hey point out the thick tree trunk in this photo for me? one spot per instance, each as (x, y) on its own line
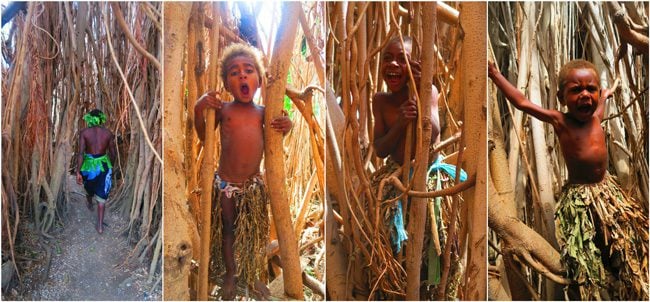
(207, 169)
(473, 61)
(500, 186)
(179, 229)
(516, 237)
(273, 150)
(192, 165)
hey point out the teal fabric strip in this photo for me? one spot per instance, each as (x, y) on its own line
(398, 219)
(450, 169)
(400, 232)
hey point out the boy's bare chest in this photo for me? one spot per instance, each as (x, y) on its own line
(584, 143)
(236, 120)
(391, 114)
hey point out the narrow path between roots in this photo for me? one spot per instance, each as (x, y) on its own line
(88, 266)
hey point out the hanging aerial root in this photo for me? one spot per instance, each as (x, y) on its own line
(128, 88)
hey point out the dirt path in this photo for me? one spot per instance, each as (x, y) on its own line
(89, 266)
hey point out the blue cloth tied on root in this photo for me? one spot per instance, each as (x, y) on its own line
(398, 219)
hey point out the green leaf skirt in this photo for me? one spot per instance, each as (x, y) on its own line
(603, 236)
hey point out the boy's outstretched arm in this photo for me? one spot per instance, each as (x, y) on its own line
(519, 100)
(208, 100)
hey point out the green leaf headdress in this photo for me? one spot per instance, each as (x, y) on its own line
(95, 120)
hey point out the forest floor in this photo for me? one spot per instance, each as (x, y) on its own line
(85, 265)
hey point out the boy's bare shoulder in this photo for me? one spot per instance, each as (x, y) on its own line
(259, 109)
(84, 132)
(558, 119)
(110, 133)
(380, 98)
(381, 95)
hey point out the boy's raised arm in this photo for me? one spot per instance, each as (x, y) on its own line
(208, 100)
(519, 100)
(605, 93)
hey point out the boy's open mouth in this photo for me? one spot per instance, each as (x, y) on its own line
(584, 108)
(244, 89)
(392, 77)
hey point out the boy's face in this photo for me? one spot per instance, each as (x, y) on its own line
(393, 65)
(581, 93)
(243, 79)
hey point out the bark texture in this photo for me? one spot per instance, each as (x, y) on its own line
(474, 93)
(274, 152)
(180, 232)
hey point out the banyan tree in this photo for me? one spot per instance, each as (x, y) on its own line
(449, 41)
(529, 42)
(61, 60)
(290, 37)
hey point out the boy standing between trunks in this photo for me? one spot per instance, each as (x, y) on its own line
(393, 111)
(602, 232)
(239, 193)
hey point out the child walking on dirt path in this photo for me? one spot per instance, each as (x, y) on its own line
(602, 232)
(94, 168)
(240, 197)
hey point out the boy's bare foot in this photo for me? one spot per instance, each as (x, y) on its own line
(261, 291)
(100, 228)
(228, 289)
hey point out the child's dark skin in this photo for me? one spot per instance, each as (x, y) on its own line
(393, 110)
(95, 140)
(242, 147)
(582, 139)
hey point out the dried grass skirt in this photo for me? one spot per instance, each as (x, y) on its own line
(603, 236)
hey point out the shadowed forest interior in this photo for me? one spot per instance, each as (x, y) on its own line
(335, 205)
(60, 61)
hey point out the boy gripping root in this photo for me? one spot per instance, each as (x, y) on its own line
(603, 233)
(393, 111)
(94, 166)
(241, 217)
